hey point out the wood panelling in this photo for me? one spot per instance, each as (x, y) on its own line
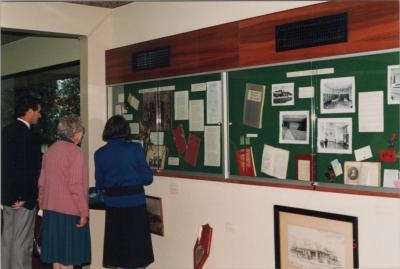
(373, 25)
(197, 51)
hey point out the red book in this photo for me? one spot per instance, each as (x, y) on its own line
(179, 137)
(192, 149)
(245, 162)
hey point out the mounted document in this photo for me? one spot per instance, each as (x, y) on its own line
(253, 105)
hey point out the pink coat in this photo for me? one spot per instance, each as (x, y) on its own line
(63, 182)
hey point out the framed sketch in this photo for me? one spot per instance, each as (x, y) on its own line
(282, 94)
(335, 135)
(154, 211)
(294, 127)
(307, 239)
(393, 84)
(338, 95)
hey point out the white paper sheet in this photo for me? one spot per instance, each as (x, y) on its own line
(128, 116)
(133, 102)
(198, 87)
(121, 98)
(148, 90)
(363, 153)
(306, 92)
(134, 127)
(337, 167)
(214, 102)
(311, 72)
(166, 88)
(157, 138)
(303, 170)
(391, 178)
(212, 146)
(173, 161)
(196, 115)
(181, 105)
(370, 114)
(275, 161)
(118, 109)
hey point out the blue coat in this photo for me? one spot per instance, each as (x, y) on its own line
(120, 163)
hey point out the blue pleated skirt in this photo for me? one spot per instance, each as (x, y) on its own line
(63, 242)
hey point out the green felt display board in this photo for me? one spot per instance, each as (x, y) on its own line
(370, 73)
(180, 84)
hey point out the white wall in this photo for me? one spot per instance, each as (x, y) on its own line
(37, 52)
(141, 21)
(241, 215)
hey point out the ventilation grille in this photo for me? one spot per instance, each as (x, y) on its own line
(310, 33)
(151, 59)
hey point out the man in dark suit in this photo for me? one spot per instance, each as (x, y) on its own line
(20, 168)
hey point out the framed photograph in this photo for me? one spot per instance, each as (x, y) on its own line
(282, 94)
(335, 135)
(294, 127)
(393, 84)
(157, 111)
(338, 95)
(307, 239)
(154, 211)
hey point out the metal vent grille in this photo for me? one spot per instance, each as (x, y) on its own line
(151, 59)
(314, 32)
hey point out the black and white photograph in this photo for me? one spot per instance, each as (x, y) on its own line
(393, 84)
(308, 239)
(282, 94)
(294, 127)
(154, 211)
(335, 135)
(337, 95)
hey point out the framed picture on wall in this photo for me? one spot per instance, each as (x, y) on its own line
(308, 239)
(155, 213)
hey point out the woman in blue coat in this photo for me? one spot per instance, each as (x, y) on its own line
(122, 171)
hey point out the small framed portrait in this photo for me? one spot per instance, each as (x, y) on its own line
(282, 94)
(337, 95)
(294, 127)
(308, 239)
(335, 135)
(155, 213)
(393, 84)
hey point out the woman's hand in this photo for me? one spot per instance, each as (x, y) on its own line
(82, 222)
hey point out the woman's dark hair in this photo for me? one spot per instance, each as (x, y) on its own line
(116, 127)
(25, 103)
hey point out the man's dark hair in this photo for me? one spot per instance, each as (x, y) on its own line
(25, 103)
(116, 127)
